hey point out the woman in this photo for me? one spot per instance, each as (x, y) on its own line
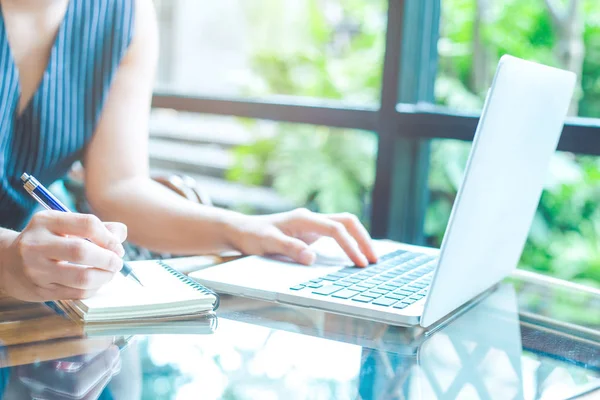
(77, 81)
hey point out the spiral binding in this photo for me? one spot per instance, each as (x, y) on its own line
(190, 282)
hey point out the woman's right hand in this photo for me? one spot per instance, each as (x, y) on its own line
(50, 260)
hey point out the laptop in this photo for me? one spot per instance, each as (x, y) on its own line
(518, 132)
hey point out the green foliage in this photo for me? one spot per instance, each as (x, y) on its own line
(329, 170)
(448, 160)
(337, 58)
(324, 169)
(590, 102)
(565, 236)
(252, 161)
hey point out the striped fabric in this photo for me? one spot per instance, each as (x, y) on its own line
(59, 120)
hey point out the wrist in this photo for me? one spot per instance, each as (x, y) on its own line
(234, 228)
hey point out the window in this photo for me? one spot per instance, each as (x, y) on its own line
(413, 72)
(322, 49)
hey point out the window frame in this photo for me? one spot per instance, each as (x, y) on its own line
(405, 121)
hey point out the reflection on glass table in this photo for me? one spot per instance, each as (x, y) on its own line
(499, 349)
(479, 355)
(81, 377)
(95, 373)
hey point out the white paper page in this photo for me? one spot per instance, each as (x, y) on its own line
(160, 287)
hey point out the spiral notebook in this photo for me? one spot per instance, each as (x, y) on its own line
(166, 294)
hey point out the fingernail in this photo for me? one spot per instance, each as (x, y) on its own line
(307, 257)
(120, 250)
(363, 261)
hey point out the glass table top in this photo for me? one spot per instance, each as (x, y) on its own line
(514, 344)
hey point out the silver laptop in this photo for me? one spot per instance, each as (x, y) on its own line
(518, 132)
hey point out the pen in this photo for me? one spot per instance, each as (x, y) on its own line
(49, 202)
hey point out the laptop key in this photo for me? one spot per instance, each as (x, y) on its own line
(410, 289)
(396, 296)
(393, 285)
(353, 280)
(314, 285)
(362, 299)
(403, 292)
(396, 272)
(364, 275)
(343, 284)
(347, 270)
(372, 295)
(298, 287)
(387, 256)
(336, 275)
(384, 301)
(386, 287)
(345, 294)
(371, 282)
(400, 305)
(327, 290)
(366, 285)
(380, 291)
(358, 288)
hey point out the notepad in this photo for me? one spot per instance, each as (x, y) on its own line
(166, 294)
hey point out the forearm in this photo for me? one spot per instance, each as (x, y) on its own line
(7, 237)
(162, 221)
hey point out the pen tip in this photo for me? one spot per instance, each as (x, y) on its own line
(25, 177)
(136, 279)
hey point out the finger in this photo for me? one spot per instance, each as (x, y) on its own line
(323, 225)
(81, 225)
(296, 249)
(358, 232)
(309, 238)
(118, 229)
(57, 291)
(79, 277)
(79, 251)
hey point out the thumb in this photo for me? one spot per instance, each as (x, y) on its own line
(288, 246)
(118, 229)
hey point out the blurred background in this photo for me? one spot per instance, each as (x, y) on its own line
(330, 53)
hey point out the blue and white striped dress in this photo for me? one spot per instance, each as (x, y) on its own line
(59, 121)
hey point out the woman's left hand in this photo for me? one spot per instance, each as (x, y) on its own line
(290, 233)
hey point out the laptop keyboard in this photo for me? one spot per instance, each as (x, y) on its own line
(398, 280)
